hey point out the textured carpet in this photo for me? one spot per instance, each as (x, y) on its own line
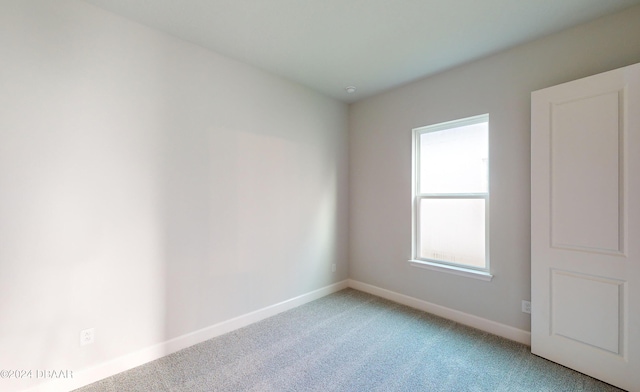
(352, 341)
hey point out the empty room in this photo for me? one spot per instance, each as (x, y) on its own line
(319, 195)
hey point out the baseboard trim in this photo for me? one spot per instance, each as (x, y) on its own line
(160, 350)
(480, 323)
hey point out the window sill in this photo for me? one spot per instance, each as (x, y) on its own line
(469, 273)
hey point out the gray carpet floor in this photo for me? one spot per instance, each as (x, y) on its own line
(352, 341)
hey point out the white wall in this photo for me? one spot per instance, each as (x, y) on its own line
(150, 188)
(380, 162)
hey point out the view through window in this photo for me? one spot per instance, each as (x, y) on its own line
(451, 193)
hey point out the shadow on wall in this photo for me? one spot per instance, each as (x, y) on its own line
(150, 188)
(247, 215)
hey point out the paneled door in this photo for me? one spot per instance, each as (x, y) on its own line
(585, 225)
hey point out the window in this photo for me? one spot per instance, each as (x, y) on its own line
(451, 197)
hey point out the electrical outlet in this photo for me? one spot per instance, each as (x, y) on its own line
(87, 336)
(526, 306)
(333, 267)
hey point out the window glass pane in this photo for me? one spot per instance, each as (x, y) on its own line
(453, 230)
(455, 160)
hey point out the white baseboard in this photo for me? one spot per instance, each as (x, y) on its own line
(480, 323)
(160, 350)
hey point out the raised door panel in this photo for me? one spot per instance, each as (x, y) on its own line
(586, 210)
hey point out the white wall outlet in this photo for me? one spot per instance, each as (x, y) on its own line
(526, 306)
(333, 267)
(87, 336)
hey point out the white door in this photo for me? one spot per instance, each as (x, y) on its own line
(585, 225)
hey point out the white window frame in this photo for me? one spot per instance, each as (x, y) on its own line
(441, 265)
